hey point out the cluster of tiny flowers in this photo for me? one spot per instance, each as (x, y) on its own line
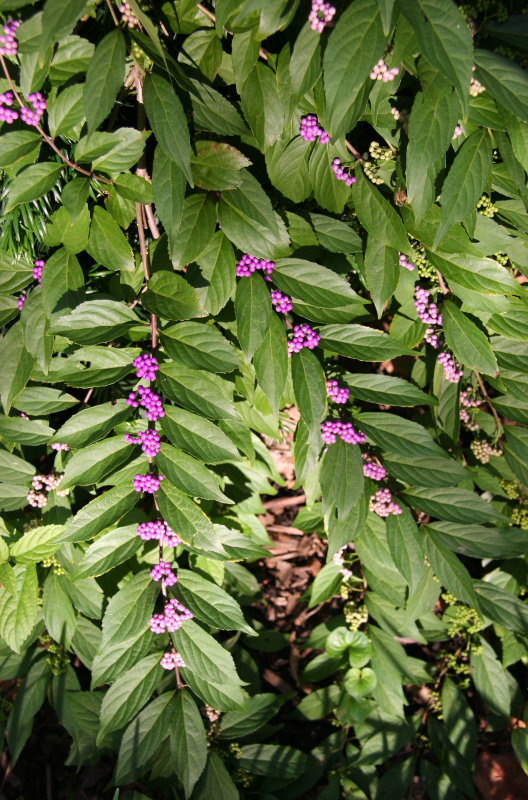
(40, 484)
(404, 263)
(321, 14)
(425, 308)
(147, 483)
(128, 16)
(150, 401)
(373, 470)
(310, 130)
(59, 446)
(249, 264)
(31, 116)
(37, 270)
(482, 450)
(172, 660)
(331, 429)
(149, 441)
(381, 72)
(8, 43)
(158, 530)
(303, 336)
(36, 499)
(173, 617)
(20, 302)
(486, 207)
(382, 504)
(339, 560)
(452, 369)
(457, 132)
(281, 302)
(7, 114)
(341, 173)
(163, 572)
(339, 394)
(146, 367)
(476, 88)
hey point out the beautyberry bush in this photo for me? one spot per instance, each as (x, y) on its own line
(223, 226)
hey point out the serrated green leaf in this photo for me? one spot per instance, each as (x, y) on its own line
(104, 78)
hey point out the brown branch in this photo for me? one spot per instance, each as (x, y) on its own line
(114, 17)
(441, 282)
(352, 149)
(486, 397)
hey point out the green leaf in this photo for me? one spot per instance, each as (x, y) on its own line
(364, 344)
(261, 105)
(126, 150)
(271, 363)
(244, 53)
(507, 82)
(143, 737)
(17, 365)
(168, 188)
(326, 584)
(19, 470)
(328, 192)
(258, 710)
(490, 678)
(465, 181)
(276, 761)
(32, 183)
(197, 436)
(353, 48)
(216, 782)
(92, 424)
(209, 603)
(446, 41)
(217, 265)
(167, 118)
(71, 57)
(104, 78)
(313, 284)
(360, 682)
(189, 475)
(502, 607)
(516, 451)
(194, 527)
(450, 571)
(247, 219)
(287, 166)
(399, 436)
(170, 296)
(188, 741)
(129, 694)
(377, 216)
(24, 431)
(382, 272)
(62, 284)
(216, 165)
(386, 390)
(59, 614)
(129, 611)
(108, 244)
(431, 127)
(425, 470)
(453, 504)
(470, 346)
(98, 514)
(206, 394)
(482, 275)
(36, 544)
(209, 668)
(113, 319)
(59, 19)
(335, 235)
(203, 49)
(18, 612)
(199, 346)
(91, 464)
(341, 477)
(66, 112)
(29, 699)
(405, 546)
(16, 145)
(253, 312)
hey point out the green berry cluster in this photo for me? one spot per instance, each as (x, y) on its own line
(511, 488)
(379, 155)
(242, 778)
(482, 450)
(51, 561)
(501, 258)
(355, 616)
(424, 267)
(435, 703)
(486, 207)
(463, 621)
(520, 517)
(56, 656)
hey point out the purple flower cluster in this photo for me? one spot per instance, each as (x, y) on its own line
(7, 114)
(331, 429)
(172, 660)
(158, 530)
(37, 270)
(249, 264)
(32, 116)
(339, 394)
(8, 43)
(162, 572)
(147, 483)
(404, 263)
(20, 302)
(381, 72)
(149, 441)
(303, 336)
(150, 401)
(282, 302)
(321, 14)
(173, 617)
(146, 367)
(310, 130)
(59, 446)
(431, 337)
(373, 470)
(341, 173)
(453, 371)
(425, 308)
(382, 504)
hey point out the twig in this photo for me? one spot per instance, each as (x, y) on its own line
(142, 243)
(352, 149)
(87, 396)
(486, 397)
(285, 502)
(114, 17)
(441, 281)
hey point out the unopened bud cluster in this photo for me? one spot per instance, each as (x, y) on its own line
(320, 15)
(381, 72)
(482, 450)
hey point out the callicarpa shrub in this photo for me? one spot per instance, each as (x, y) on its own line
(231, 225)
